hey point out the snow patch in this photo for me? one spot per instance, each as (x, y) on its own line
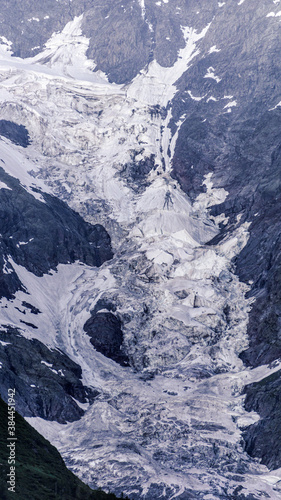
(66, 52)
(213, 196)
(142, 6)
(214, 49)
(20, 243)
(5, 47)
(273, 14)
(210, 74)
(4, 186)
(230, 105)
(275, 107)
(49, 365)
(4, 343)
(193, 97)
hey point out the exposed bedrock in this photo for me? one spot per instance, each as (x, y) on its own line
(47, 383)
(41, 233)
(262, 438)
(18, 134)
(105, 331)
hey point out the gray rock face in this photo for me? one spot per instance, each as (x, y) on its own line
(261, 438)
(105, 331)
(123, 37)
(18, 134)
(47, 383)
(120, 41)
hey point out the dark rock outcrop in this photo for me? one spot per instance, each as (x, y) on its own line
(120, 41)
(136, 172)
(105, 331)
(18, 134)
(261, 438)
(40, 235)
(47, 382)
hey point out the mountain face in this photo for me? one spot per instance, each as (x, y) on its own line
(140, 240)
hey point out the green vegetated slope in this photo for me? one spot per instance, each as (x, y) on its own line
(40, 471)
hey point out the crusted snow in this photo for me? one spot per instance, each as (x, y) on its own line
(213, 196)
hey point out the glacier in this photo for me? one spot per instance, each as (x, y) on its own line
(170, 425)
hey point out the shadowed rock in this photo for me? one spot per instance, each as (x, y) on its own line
(39, 235)
(18, 134)
(47, 382)
(261, 438)
(105, 331)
